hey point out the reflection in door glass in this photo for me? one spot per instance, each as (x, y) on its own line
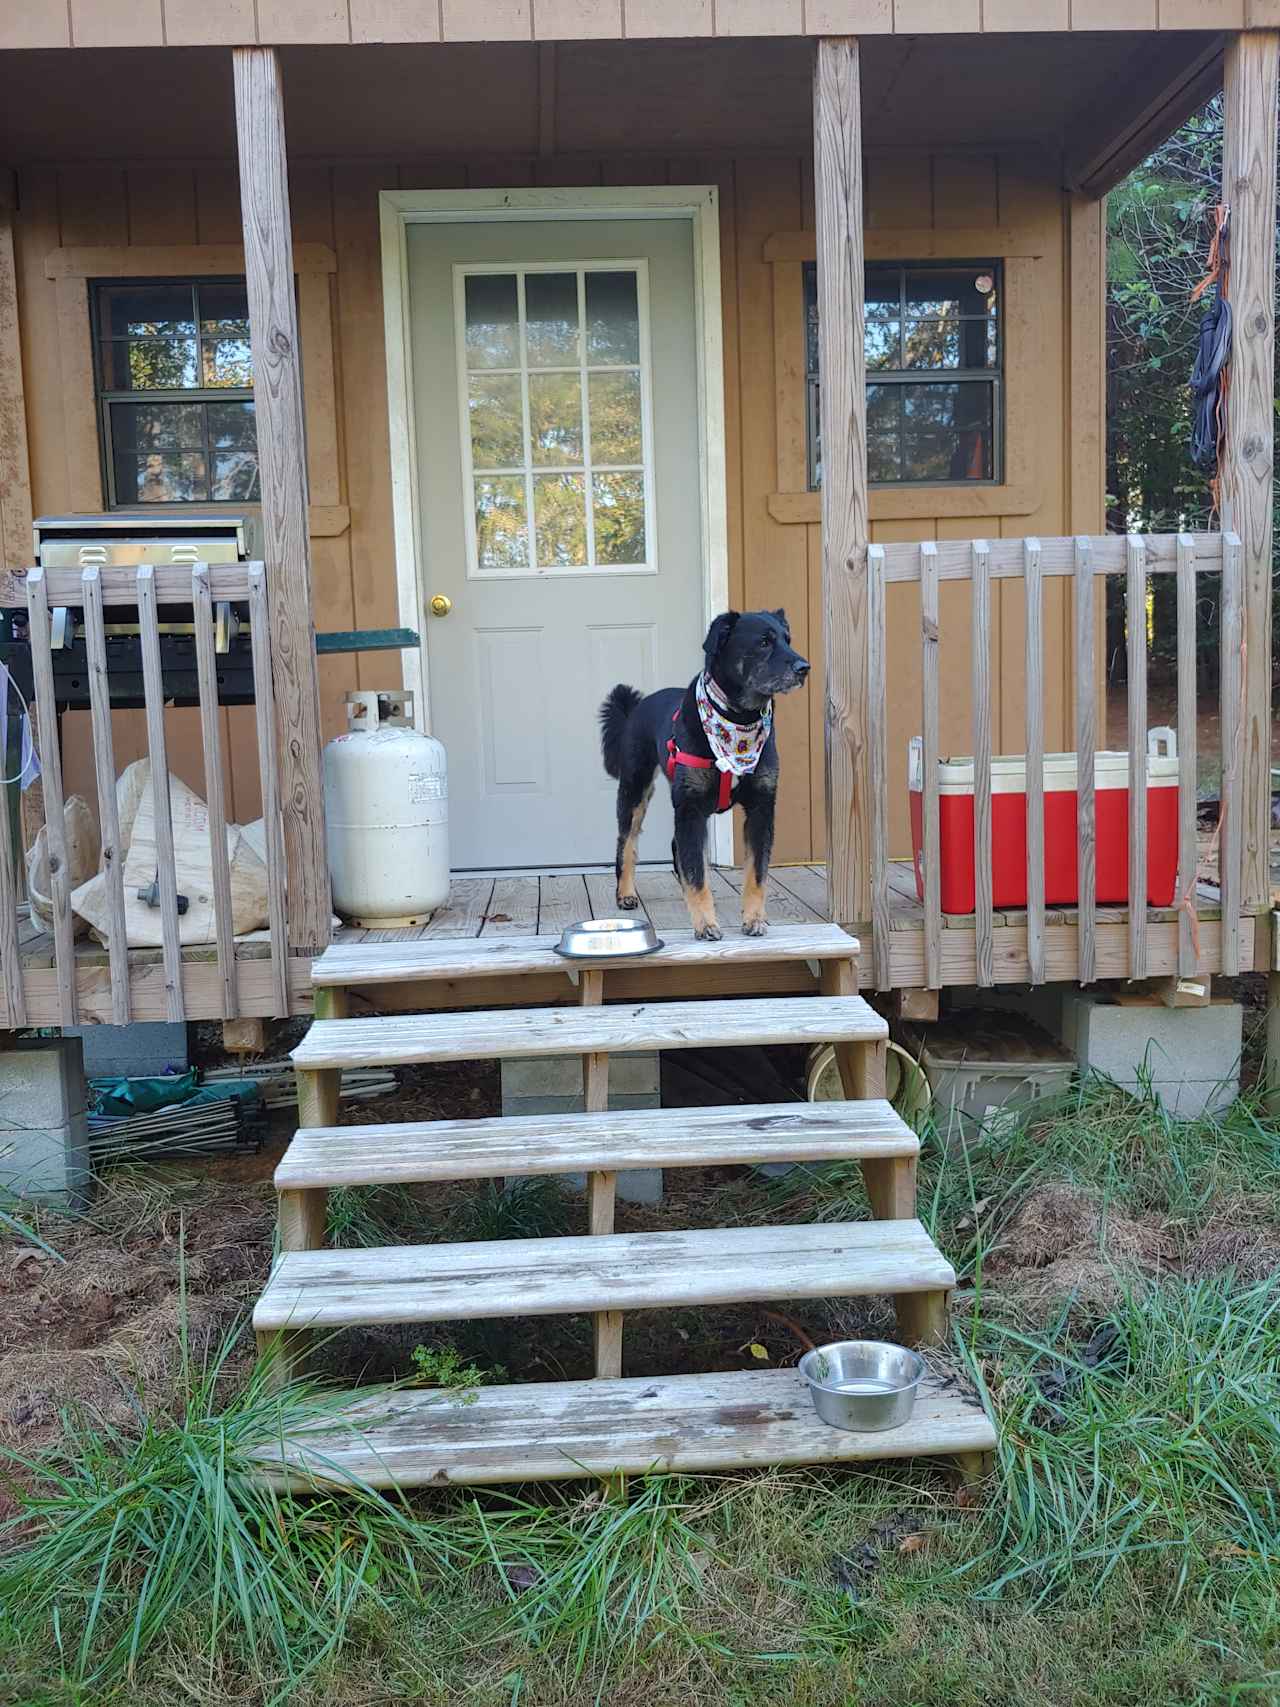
(492, 321)
(556, 433)
(502, 531)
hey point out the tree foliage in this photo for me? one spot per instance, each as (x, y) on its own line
(1160, 223)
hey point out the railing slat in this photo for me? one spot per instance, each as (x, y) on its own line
(1188, 857)
(932, 840)
(980, 693)
(104, 766)
(1136, 627)
(265, 719)
(1033, 657)
(877, 706)
(15, 995)
(1086, 742)
(157, 752)
(211, 740)
(1231, 679)
(55, 822)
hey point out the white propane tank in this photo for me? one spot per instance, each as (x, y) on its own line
(386, 801)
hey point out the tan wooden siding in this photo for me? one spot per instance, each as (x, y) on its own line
(1054, 330)
(188, 23)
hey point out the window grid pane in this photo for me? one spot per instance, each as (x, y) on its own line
(571, 433)
(175, 383)
(933, 357)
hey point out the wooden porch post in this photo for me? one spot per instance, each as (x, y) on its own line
(1249, 186)
(273, 327)
(850, 721)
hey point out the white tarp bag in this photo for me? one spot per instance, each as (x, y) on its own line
(193, 865)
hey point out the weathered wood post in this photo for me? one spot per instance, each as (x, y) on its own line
(851, 723)
(1249, 186)
(277, 390)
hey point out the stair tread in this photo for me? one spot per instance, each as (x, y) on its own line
(415, 1152)
(354, 963)
(621, 1027)
(618, 1271)
(693, 1423)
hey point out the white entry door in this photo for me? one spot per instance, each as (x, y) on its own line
(555, 370)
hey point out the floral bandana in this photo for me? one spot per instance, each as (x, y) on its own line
(735, 747)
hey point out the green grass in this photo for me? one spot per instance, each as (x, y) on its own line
(1126, 1554)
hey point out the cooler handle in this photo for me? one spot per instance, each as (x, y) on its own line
(915, 765)
(1162, 743)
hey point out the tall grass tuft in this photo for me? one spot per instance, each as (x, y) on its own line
(1158, 1439)
(116, 1539)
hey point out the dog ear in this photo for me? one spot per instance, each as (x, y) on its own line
(717, 634)
(786, 626)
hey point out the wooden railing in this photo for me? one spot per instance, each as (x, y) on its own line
(1084, 560)
(145, 588)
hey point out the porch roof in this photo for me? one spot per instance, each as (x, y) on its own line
(1080, 106)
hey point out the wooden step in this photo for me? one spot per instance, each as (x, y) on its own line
(620, 1271)
(564, 1429)
(415, 1152)
(348, 964)
(623, 1027)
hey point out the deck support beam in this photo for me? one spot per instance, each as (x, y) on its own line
(273, 329)
(850, 721)
(1249, 186)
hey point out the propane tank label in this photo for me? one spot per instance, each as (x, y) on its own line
(424, 786)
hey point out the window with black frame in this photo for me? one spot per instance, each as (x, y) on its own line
(175, 391)
(934, 366)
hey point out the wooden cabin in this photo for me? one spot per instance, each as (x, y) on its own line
(569, 324)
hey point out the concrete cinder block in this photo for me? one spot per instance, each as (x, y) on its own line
(1188, 1057)
(44, 1136)
(553, 1085)
(140, 1051)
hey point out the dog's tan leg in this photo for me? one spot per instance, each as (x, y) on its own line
(628, 900)
(754, 922)
(702, 911)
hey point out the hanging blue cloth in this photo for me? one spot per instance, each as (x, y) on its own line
(1212, 355)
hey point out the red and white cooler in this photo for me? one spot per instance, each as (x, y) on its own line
(1009, 827)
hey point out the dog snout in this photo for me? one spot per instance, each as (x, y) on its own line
(802, 668)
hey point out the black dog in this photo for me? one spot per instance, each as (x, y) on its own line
(749, 660)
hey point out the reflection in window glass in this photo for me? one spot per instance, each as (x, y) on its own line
(492, 320)
(502, 533)
(555, 428)
(551, 319)
(175, 382)
(933, 356)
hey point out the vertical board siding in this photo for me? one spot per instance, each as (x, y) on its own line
(1232, 725)
(877, 665)
(931, 841)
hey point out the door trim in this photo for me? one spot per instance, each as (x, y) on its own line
(398, 210)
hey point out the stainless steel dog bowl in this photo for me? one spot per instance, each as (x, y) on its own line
(608, 939)
(862, 1384)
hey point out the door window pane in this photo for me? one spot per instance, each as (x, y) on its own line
(551, 319)
(492, 320)
(613, 319)
(616, 434)
(502, 530)
(560, 520)
(226, 362)
(619, 517)
(146, 311)
(555, 418)
(497, 420)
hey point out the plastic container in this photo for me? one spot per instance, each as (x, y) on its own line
(985, 1066)
(1009, 827)
(386, 801)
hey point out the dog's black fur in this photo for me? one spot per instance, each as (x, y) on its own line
(751, 660)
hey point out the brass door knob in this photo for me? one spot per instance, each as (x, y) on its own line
(441, 605)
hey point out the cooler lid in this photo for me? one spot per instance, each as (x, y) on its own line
(1009, 770)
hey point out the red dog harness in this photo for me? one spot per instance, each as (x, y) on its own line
(676, 757)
